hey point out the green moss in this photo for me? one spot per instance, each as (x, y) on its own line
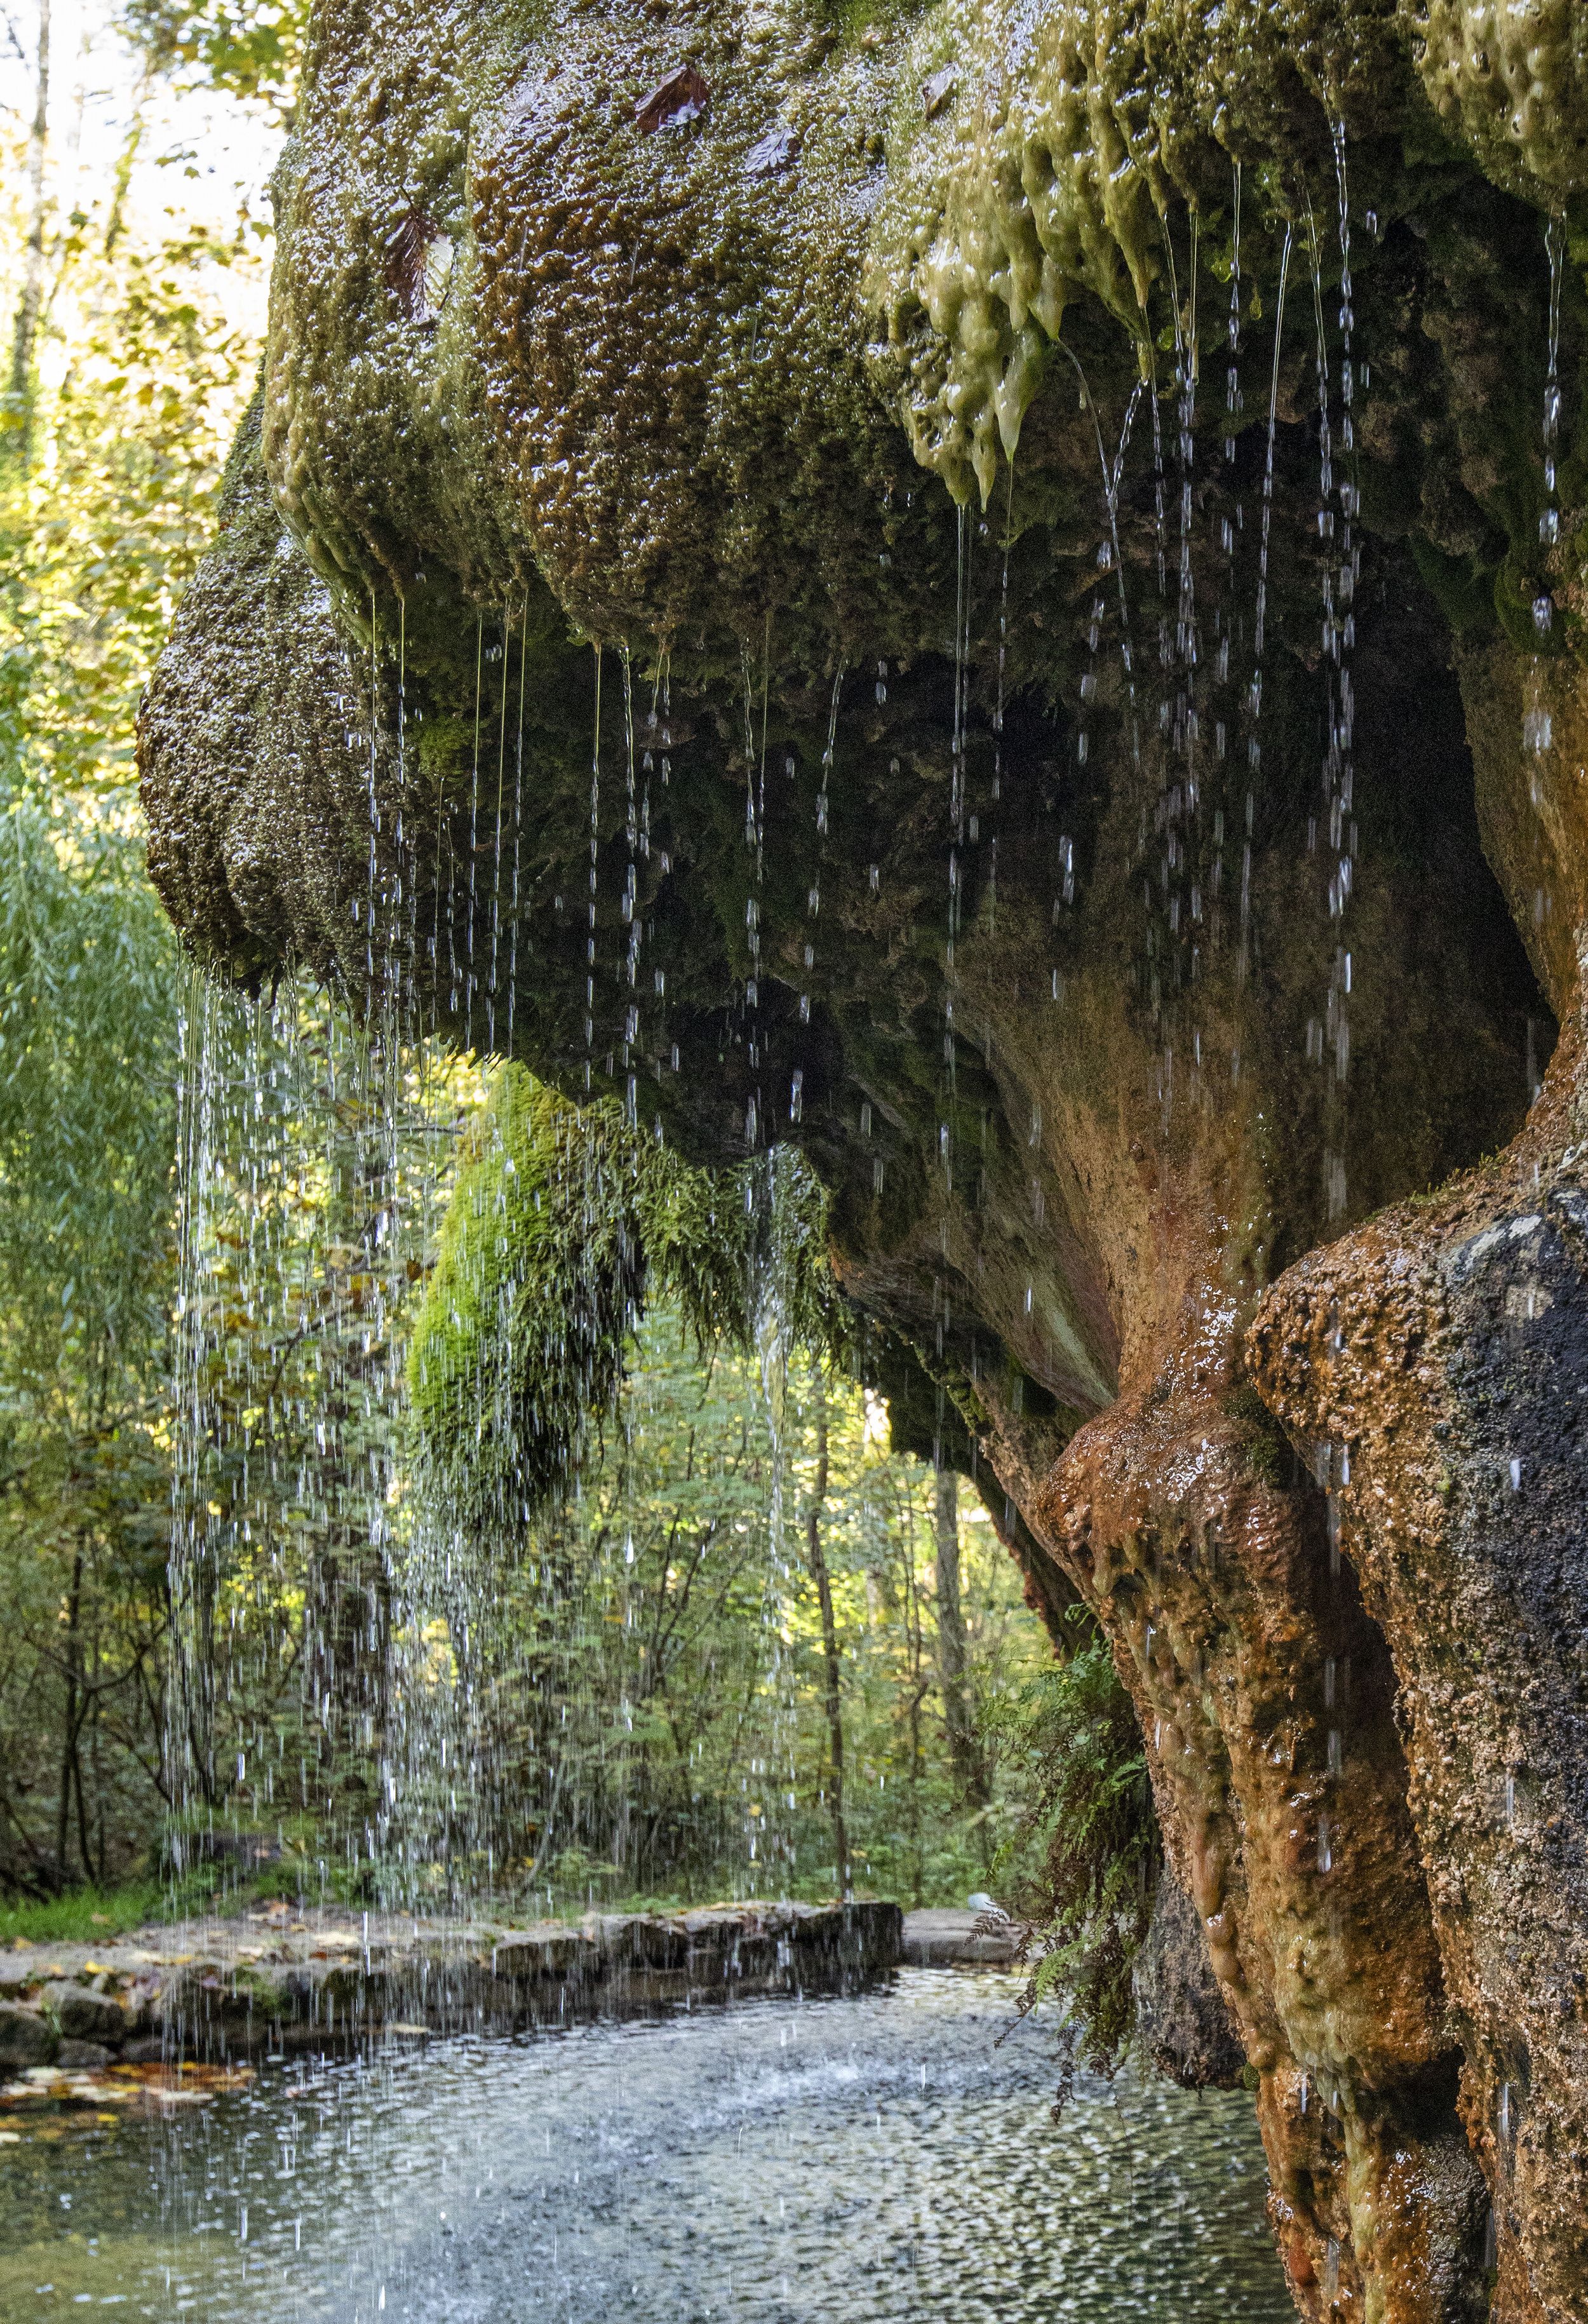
(1268, 1451)
(564, 1219)
(1462, 591)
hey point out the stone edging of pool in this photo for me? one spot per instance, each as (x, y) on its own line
(282, 1981)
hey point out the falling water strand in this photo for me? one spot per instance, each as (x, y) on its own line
(665, 739)
(1259, 623)
(300, 1217)
(1002, 680)
(189, 1708)
(752, 906)
(1339, 639)
(594, 859)
(496, 849)
(761, 762)
(958, 744)
(746, 697)
(1538, 721)
(772, 1262)
(1234, 404)
(1109, 560)
(473, 834)
(813, 895)
(1221, 680)
(372, 880)
(518, 831)
(406, 914)
(633, 918)
(443, 846)
(1165, 666)
(647, 764)
(1183, 793)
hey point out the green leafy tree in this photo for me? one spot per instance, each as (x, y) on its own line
(87, 1114)
(123, 380)
(252, 51)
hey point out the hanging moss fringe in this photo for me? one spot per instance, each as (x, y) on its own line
(565, 1221)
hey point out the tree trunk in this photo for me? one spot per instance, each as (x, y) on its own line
(68, 1735)
(25, 327)
(953, 1659)
(835, 1717)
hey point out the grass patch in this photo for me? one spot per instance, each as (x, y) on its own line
(85, 1915)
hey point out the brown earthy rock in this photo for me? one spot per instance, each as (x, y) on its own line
(1438, 1359)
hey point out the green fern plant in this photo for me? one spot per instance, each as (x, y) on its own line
(1091, 1826)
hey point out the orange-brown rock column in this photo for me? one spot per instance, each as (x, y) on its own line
(1440, 1355)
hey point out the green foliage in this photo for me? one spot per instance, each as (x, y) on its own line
(1091, 1827)
(254, 50)
(87, 1116)
(108, 479)
(88, 1099)
(83, 1916)
(636, 1689)
(318, 1164)
(563, 1220)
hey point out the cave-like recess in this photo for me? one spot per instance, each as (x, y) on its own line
(1000, 593)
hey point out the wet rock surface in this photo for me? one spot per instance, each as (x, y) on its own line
(1437, 1359)
(1180, 2012)
(937, 1937)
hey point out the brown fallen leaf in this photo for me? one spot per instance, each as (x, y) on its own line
(683, 96)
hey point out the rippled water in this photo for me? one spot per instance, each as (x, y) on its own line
(882, 2157)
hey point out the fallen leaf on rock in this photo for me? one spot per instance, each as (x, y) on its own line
(683, 96)
(936, 92)
(777, 151)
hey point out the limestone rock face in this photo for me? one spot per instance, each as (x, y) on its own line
(1001, 596)
(1440, 1357)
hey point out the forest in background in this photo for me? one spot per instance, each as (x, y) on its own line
(751, 1648)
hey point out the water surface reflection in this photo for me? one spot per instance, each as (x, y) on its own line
(884, 2156)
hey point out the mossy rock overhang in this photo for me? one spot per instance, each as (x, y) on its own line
(771, 352)
(762, 582)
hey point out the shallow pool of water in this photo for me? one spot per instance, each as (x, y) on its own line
(890, 2156)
